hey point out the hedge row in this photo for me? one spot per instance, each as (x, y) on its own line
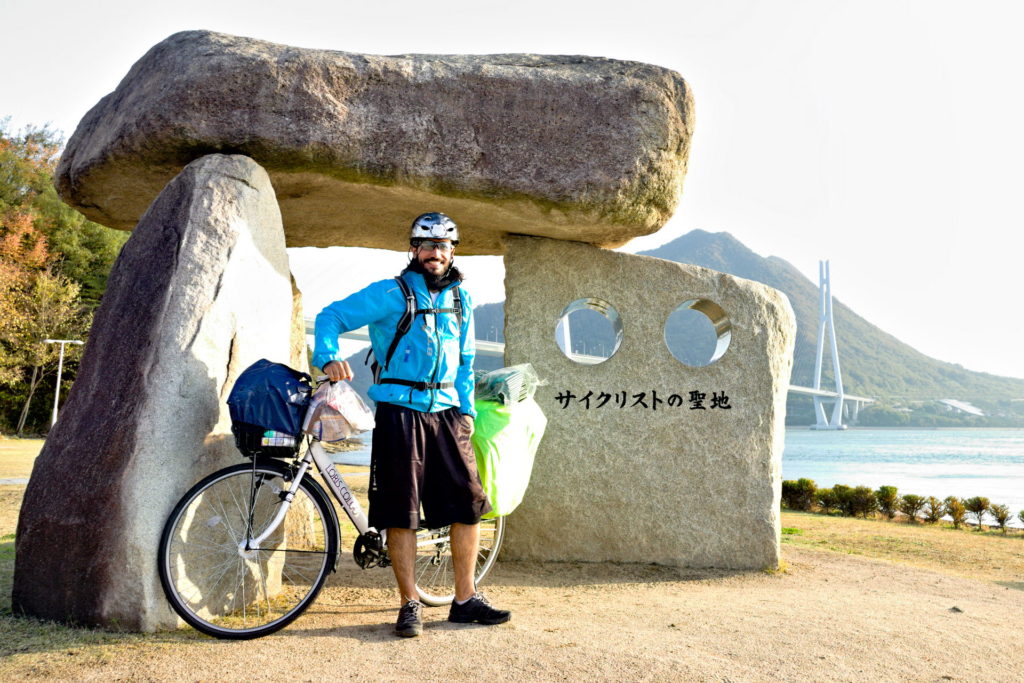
(861, 501)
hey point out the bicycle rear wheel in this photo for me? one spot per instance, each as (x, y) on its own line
(226, 591)
(435, 574)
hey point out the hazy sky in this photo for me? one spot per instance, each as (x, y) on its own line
(884, 136)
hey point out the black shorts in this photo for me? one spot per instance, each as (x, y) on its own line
(423, 458)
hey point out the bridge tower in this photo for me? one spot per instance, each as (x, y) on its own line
(826, 324)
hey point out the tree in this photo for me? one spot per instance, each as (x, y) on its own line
(53, 269)
(911, 505)
(863, 501)
(81, 250)
(827, 500)
(1002, 515)
(799, 494)
(22, 253)
(977, 506)
(844, 499)
(1020, 516)
(956, 511)
(53, 310)
(888, 499)
(933, 510)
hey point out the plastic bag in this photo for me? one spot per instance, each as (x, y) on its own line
(505, 441)
(508, 385)
(336, 412)
(270, 395)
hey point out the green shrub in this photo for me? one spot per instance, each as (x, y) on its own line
(827, 500)
(977, 506)
(1002, 515)
(844, 499)
(1020, 516)
(887, 499)
(933, 509)
(911, 505)
(799, 494)
(863, 501)
(956, 511)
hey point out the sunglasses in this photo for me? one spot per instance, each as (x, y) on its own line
(428, 245)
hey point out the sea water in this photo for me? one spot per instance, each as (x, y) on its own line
(927, 462)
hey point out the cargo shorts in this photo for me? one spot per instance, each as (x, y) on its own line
(424, 459)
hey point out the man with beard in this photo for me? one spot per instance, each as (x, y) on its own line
(423, 387)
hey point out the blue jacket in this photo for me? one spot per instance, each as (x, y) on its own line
(429, 352)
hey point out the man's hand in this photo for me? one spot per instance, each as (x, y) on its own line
(337, 370)
(470, 423)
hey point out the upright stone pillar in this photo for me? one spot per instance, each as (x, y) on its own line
(201, 290)
(633, 466)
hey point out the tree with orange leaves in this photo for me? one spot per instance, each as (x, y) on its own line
(50, 256)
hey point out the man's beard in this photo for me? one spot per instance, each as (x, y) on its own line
(436, 282)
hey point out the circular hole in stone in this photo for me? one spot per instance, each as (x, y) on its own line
(698, 332)
(589, 331)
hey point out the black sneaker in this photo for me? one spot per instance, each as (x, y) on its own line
(478, 610)
(409, 622)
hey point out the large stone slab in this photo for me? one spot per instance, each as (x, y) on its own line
(575, 148)
(200, 291)
(619, 476)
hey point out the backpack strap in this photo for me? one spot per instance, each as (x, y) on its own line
(405, 322)
(421, 386)
(457, 297)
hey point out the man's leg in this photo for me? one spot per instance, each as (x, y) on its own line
(402, 551)
(465, 545)
(469, 606)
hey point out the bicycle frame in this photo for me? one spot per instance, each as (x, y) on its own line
(316, 454)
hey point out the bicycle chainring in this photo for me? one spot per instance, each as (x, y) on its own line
(368, 551)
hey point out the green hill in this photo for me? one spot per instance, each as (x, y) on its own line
(874, 363)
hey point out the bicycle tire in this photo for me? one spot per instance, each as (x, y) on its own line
(226, 592)
(435, 574)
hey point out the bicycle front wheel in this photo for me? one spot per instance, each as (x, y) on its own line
(435, 573)
(216, 581)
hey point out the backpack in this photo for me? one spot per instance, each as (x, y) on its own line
(403, 327)
(270, 395)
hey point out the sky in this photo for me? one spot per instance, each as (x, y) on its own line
(883, 136)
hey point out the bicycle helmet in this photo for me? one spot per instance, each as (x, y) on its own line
(433, 226)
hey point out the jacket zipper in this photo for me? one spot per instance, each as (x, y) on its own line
(437, 342)
(437, 354)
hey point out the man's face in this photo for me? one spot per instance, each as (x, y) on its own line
(435, 256)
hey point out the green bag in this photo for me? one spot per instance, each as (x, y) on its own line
(505, 441)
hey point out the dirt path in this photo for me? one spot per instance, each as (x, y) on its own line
(830, 617)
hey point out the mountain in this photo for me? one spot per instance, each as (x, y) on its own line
(874, 363)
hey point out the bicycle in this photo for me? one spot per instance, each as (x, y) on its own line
(248, 548)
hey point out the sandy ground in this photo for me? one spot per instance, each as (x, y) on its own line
(829, 617)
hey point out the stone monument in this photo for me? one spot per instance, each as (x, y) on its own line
(219, 151)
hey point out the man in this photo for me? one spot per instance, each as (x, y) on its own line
(423, 387)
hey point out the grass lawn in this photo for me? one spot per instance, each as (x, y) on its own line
(988, 555)
(17, 456)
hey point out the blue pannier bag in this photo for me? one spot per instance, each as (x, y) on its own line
(271, 396)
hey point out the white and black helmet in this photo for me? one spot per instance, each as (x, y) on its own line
(433, 226)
